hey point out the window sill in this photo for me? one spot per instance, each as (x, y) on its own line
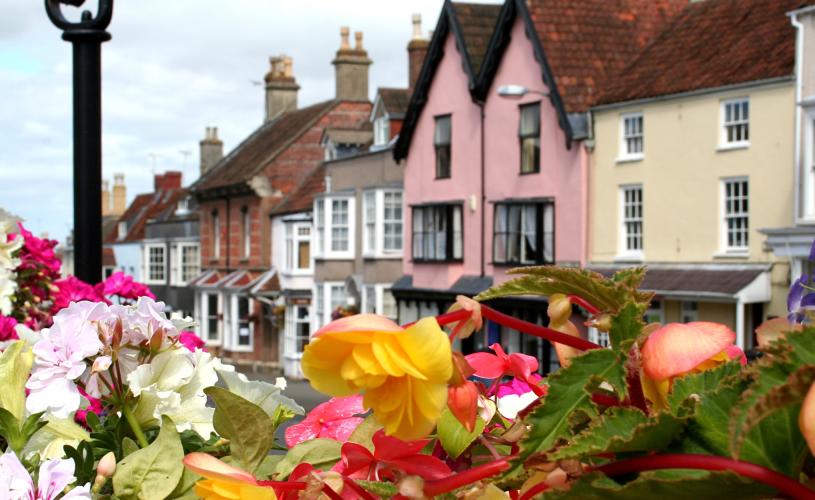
(437, 261)
(520, 264)
(634, 257)
(629, 159)
(382, 256)
(532, 172)
(733, 147)
(732, 254)
(214, 260)
(239, 349)
(298, 272)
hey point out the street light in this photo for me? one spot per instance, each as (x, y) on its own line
(86, 36)
(517, 91)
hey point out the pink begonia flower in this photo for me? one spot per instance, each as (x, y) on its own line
(678, 349)
(7, 324)
(333, 419)
(54, 476)
(94, 406)
(499, 364)
(191, 341)
(515, 395)
(60, 358)
(72, 289)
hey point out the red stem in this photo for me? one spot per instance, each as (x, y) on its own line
(584, 304)
(330, 493)
(635, 394)
(447, 318)
(764, 475)
(450, 483)
(359, 490)
(531, 492)
(536, 330)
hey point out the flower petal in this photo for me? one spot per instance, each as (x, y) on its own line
(486, 365)
(678, 348)
(806, 418)
(360, 323)
(210, 467)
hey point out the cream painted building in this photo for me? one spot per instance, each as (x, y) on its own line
(692, 155)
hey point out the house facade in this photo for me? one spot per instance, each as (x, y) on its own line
(238, 290)
(494, 150)
(792, 241)
(692, 149)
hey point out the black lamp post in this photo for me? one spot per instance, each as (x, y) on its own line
(86, 36)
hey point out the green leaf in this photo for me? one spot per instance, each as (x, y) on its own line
(568, 394)
(15, 366)
(267, 396)
(622, 430)
(152, 472)
(626, 326)
(184, 489)
(680, 484)
(608, 295)
(82, 455)
(364, 433)
(49, 441)
(763, 424)
(10, 430)
(710, 413)
(245, 424)
(268, 466)
(129, 446)
(322, 453)
(453, 436)
(698, 384)
(382, 490)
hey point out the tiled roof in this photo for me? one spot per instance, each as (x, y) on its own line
(712, 44)
(395, 100)
(588, 42)
(724, 282)
(263, 146)
(302, 198)
(476, 22)
(108, 257)
(143, 208)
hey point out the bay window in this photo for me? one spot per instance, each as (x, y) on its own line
(156, 263)
(437, 233)
(328, 296)
(378, 299)
(524, 233)
(298, 328)
(382, 222)
(189, 264)
(211, 318)
(334, 223)
(298, 246)
(242, 324)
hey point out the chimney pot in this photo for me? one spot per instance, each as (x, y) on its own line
(417, 50)
(105, 198)
(281, 87)
(351, 69)
(358, 41)
(211, 149)
(119, 194)
(417, 27)
(344, 32)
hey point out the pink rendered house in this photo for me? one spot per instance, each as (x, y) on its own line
(495, 181)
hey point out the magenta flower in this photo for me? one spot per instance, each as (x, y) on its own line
(497, 365)
(39, 250)
(122, 285)
(72, 289)
(7, 324)
(191, 341)
(333, 419)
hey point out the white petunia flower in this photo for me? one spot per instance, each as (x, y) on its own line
(8, 285)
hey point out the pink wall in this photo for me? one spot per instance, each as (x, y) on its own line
(562, 173)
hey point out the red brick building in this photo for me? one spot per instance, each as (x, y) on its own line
(238, 286)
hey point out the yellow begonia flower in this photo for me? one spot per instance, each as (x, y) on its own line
(223, 481)
(401, 372)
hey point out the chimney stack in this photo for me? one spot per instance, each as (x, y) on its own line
(119, 195)
(212, 149)
(105, 198)
(168, 180)
(351, 68)
(417, 50)
(281, 87)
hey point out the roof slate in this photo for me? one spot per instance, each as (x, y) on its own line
(395, 100)
(713, 281)
(302, 198)
(476, 22)
(143, 208)
(712, 44)
(588, 42)
(263, 146)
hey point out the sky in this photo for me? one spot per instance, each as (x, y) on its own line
(171, 69)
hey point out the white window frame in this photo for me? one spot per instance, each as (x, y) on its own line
(658, 311)
(724, 143)
(689, 311)
(623, 251)
(382, 131)
(323, 307)
(121, 229)
(808, 167)
(216, 235)
(625, 154)
(179, 275)
(204, 319)
(374, 230)
(379, 293)
(292, 320)
(322, 248)
(725, 247)
(293, 239)
(234, 332)
(147, 274)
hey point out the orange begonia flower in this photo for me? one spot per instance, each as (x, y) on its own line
(806, 418)
(223, 481)
(678, 349)
(401, 372)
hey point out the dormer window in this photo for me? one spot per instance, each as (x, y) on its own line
(382, 131)
(122, 230)
(183, 206)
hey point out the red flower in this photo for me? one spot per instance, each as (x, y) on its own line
(122, 285)
(72, 289)
(499, 364)
(7, 324)
(390, 454)
(333, 419)
(191, 341)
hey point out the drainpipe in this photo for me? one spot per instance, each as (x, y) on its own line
(740, 340)
(483, 196)
(228, 232)
(799, 52)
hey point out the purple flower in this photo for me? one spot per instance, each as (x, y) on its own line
(802, 294)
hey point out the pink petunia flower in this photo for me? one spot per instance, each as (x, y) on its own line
(333, 419)
(121, 285)
(72, 289)
(191, 341)
(7, 324)
(54, 476)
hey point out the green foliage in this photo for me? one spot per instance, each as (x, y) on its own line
(322, 453)
(152, 472)
(453, 436)
(17, 435)
(15, 365)
(607, 294)
(626, 325)
(710, 409)
(699, 384)
(364, 432)
(184, 489)
(382, 490)
(82, 455)
(569, 394)
(674, 484)
(622, 430)
(245, 424)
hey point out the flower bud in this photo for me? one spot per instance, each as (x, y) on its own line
(412, 487)
(560, 308)
(107, 465)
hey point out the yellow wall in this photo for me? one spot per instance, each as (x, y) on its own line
(681, 172)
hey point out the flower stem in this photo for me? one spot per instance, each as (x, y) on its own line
(584, 304)
(134, 425)
(764, 475)
(450, 483)
(536, 330)
(531, 492)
